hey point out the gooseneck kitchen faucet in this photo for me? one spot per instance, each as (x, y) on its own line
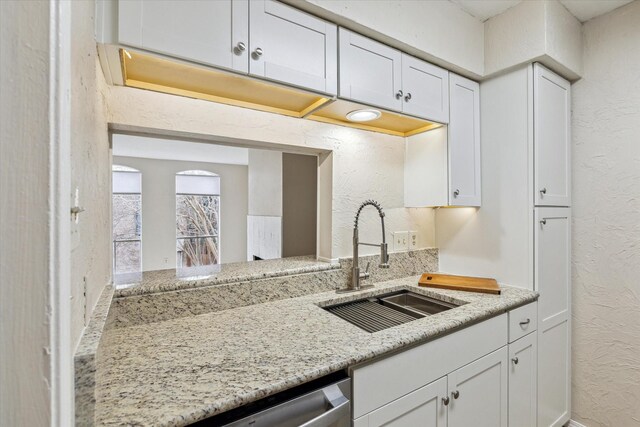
(356, 276)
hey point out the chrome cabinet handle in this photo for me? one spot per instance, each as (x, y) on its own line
(399, 94)
(543, 191)
(408, 97)
(455, 394)
(515, 360)
(456, 193)
(543, 221)
(257, 53)
(525, 322)
(445, 401)
(240, 47)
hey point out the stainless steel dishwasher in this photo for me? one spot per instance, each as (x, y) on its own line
(321, 403)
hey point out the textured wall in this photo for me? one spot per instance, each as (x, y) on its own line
(25, 321)
(90, 172)
(365, 164)
(606, 223)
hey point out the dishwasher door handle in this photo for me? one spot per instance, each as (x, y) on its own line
(341, 412)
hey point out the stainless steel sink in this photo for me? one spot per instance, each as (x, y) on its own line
(385, 311)
(409, 302)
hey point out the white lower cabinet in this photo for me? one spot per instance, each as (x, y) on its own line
(477, 376)
(553, 281)
(468, 378)
(478, 392)
(474, 395)
(423, 407)
(522, 381)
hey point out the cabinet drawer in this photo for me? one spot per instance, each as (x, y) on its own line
(523, 320)
(379, 383)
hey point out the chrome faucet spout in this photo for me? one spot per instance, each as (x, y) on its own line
(356, 276)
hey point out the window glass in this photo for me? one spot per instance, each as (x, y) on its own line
(127, 220)
(197, 219)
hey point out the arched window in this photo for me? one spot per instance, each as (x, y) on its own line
(197, 218)
(127, 219)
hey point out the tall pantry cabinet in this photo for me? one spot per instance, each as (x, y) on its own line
(552, 243)
(522, 233)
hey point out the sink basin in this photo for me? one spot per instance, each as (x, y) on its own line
(374, 314)
(419, 304)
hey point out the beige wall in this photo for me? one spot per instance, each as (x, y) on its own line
(606, 223)
(265, 182)
(25, 322)
(90, 172)
(543, 31)
(299, 203)
(159, 209)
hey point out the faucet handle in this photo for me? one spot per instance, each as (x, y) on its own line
(365, 275)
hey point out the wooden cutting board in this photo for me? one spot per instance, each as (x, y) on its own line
(460, 283)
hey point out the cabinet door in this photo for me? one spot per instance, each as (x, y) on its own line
(293, 47)
(552, 139)
(553, 282)
(426, 90)
(201, 31)
(464, 142)
(421, 408)
(478, 392)
(370, 72)
(523, 363)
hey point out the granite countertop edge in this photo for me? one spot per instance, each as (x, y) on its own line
(168, 282)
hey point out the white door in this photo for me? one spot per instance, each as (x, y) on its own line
(370, 72)
(426, 90)
(552, 138)
(478, 392)
(464, 142)
(293, 47)
(553, 282)
(421, 408)
(522, 381)
(209, 32)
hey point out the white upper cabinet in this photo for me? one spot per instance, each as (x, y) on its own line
(478, 392)
(552, 139)
(464, 142)
(264, 38)
(442, 166)
(291, 46)
(426, 90)
(370, 72)
(209, 32)
(376, 74)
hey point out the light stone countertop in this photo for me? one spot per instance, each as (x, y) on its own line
(182, 370)
(129, 284)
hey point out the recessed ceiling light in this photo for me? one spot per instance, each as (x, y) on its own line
(365, 115)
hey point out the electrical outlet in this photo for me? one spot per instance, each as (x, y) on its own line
(400, 241)
(413, 240)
